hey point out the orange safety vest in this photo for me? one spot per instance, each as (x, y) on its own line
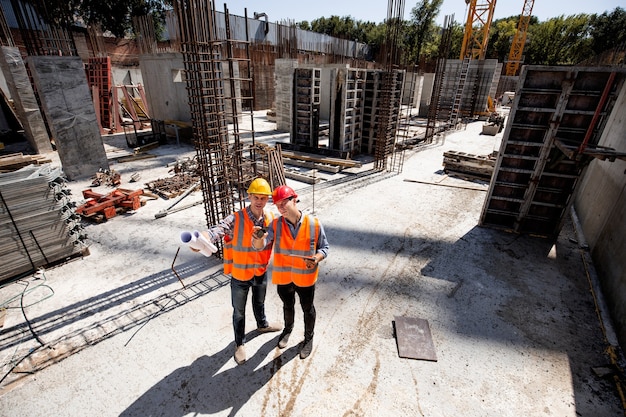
(241, 260)
(287, 268)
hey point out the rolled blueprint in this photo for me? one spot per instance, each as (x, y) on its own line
(197, 241)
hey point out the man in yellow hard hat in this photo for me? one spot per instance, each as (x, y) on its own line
(246, 266)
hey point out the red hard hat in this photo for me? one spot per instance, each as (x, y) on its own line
(283, 191)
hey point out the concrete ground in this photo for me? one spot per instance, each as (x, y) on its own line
(512, 318)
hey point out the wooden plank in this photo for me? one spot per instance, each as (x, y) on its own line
(346, 163)
(313, 165)
(307, 179)
(18, 160)
(130, 158)
(414, 339)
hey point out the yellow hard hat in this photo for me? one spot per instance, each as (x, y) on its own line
(260, 186)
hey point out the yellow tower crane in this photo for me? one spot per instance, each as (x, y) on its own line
(475, 39)
(476, 33)
(517, 46)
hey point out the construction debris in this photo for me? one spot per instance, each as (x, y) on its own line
(107, 177)
(171, 209)
(308, 177)
(173, 186)
(185, 165)
(302, 156)
(493, 125)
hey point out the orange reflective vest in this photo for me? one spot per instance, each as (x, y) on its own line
(241, 260)
(228, 255)
(287, 268)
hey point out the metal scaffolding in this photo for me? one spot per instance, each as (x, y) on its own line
(219, 85)
(390, 95)
(434, 110)
(40, 36)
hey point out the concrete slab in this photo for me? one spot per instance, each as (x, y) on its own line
(67, 103)
(414, 339)
(512, 317)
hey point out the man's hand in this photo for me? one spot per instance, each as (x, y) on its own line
(258, 237)
(312, 261)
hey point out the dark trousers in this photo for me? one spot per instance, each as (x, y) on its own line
(287, 294)
(239, 295)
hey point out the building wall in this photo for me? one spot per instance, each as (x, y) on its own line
(601, 208)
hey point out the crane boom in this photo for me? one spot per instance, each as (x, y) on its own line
(479, 16)
(519, 40)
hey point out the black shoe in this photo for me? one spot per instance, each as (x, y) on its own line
(283, 339)
(305, 348)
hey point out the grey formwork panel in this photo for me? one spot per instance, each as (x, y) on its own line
(306, 107)
(534, 180)
(66, 101)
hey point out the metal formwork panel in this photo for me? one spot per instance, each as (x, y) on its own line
(533, 180)
(306, 107)
(99, 76)
(348, 98)
(480, 81)
(371, 101)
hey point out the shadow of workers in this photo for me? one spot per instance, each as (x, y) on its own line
(200, 389)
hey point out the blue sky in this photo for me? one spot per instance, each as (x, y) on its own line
(376, 10)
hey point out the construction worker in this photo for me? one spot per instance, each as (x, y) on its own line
(246, 266)
(300, 244)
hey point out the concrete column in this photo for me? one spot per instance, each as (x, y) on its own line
(24, 99)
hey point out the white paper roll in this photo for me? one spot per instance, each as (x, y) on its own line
(197, 241)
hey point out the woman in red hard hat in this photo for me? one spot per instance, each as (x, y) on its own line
(300, 244)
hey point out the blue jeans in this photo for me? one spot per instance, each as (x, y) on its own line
(239, 296)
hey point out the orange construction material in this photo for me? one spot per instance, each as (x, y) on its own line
(108, 204)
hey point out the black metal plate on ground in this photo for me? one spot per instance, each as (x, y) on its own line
(414, 339)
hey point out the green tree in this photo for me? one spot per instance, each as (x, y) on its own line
(500, 35)
(112, 15)
(559, 41)
(421, 29)
(607, 30)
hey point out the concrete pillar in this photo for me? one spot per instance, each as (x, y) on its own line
(24, 99)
